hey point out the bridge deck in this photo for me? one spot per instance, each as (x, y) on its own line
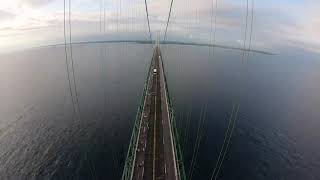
(155, 157)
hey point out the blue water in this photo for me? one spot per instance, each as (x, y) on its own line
(276, 134)
(41, 138)
(275, 137)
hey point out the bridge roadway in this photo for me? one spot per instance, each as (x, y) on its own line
(155, 159)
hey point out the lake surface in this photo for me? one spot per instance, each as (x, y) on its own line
(276, 134)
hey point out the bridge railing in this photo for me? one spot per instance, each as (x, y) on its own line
(176, 141)
(129, 163)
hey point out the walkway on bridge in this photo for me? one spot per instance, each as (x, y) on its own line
(152, 153)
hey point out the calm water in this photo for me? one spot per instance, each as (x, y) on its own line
(40, 137)
(277, 130)
(276, 134)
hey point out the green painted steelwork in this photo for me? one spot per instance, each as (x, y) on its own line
(176, 142)
(129, 163)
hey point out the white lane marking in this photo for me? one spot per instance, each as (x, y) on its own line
(163, 140)
(165, 168)
(142, 171)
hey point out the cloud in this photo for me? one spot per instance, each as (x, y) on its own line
(34, 3)
(273, 25)
(6, 15)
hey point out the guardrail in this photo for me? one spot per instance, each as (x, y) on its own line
(176, 142)
(129, 163)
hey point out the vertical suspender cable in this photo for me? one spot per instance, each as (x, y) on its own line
(251, 25)
(215, 26)
(235, 109)
(104, 16)
(100, 14)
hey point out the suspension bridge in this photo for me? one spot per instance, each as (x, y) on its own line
(154, 150)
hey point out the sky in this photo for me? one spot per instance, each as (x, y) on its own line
(32, 23)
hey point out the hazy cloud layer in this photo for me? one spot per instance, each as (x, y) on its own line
(274, 23)
(6, 15)
(35, 3)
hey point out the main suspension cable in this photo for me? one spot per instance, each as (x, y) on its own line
(147, 13)
(72, 61)
(66, 56)
(236, 106)
(165, 33)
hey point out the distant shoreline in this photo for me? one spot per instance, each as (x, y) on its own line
(168, 42)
